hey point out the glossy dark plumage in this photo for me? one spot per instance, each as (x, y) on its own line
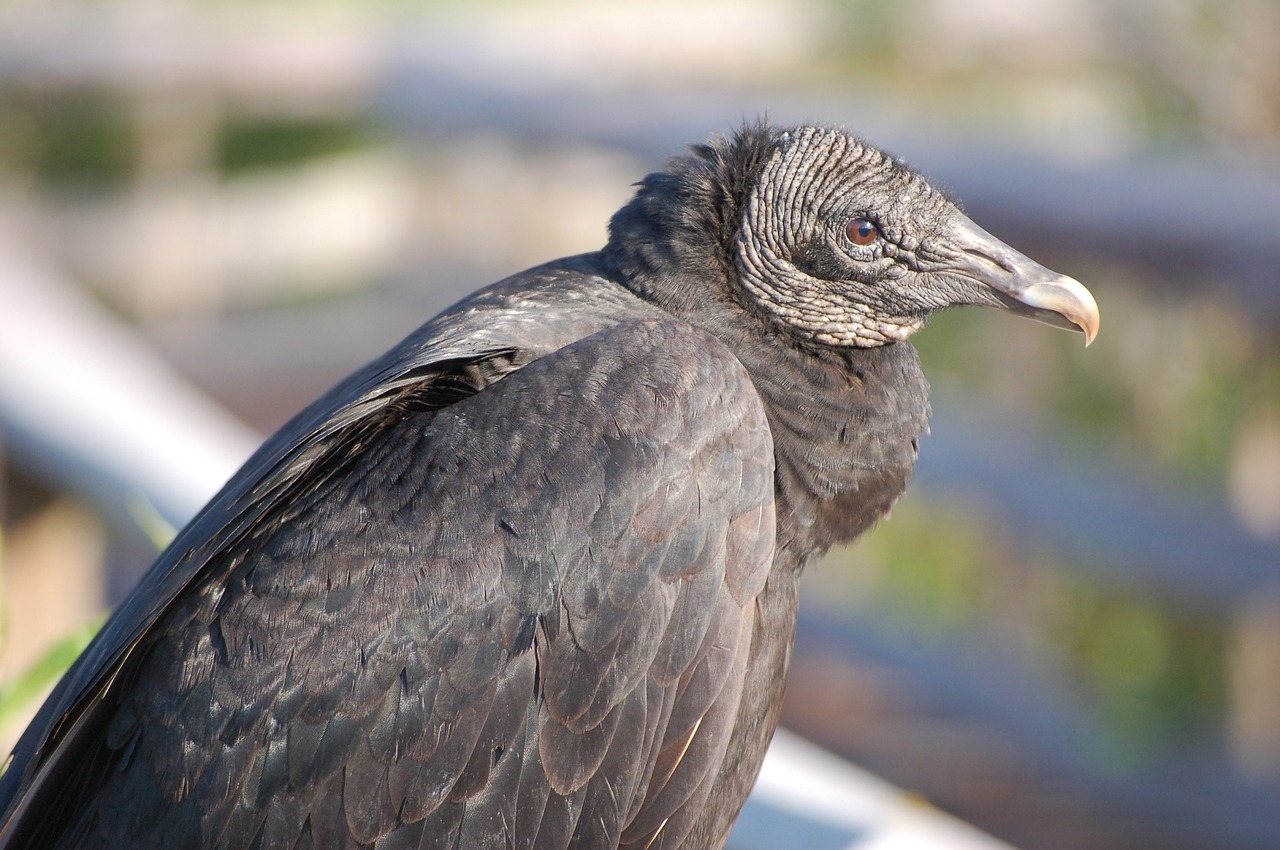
(528, 580)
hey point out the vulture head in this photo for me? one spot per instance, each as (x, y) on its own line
(832, 239)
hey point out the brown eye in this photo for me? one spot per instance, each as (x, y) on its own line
(861, 232)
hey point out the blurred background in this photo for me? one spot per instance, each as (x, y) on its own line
(1069, 632)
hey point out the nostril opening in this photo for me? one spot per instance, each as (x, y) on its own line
(994, 260)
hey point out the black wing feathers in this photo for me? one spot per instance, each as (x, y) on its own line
(481, 621)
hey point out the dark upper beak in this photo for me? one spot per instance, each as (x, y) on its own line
(1019, 283)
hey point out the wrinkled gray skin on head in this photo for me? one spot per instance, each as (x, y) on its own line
(796, 261)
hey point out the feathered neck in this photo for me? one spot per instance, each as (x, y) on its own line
(686, 218)
(845, 422)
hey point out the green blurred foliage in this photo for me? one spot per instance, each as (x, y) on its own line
(1156, 672)
(939, 572)
(81, 139)
(18, 693)
(251, 145)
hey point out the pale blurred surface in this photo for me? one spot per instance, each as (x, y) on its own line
(1068, 633)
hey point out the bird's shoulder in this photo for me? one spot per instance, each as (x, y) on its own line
(651, 426)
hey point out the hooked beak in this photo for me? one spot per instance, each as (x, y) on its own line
(1020, 284)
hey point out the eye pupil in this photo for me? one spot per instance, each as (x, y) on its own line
(861, 231)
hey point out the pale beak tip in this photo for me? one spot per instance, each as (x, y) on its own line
(1089, 324)
(1088, 316)
(1067, 297)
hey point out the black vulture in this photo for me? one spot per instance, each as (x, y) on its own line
(529, 579)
